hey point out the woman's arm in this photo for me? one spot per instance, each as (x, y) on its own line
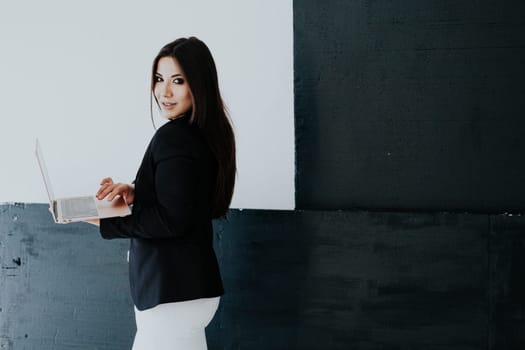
(174, 213)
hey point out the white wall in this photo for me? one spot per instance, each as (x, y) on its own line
(76, 74)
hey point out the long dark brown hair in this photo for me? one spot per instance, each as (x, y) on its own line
(208, 112)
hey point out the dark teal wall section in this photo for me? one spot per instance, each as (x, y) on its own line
(294, 280)
(61, 286)
(410, 105)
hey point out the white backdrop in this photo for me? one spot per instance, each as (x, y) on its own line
(76, 75)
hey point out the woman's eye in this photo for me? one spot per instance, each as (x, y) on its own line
(178, 81)
(158, 79)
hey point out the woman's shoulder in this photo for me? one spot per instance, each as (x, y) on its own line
(174, 127)
(176, 137)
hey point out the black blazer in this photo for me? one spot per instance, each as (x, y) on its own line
(171, 251)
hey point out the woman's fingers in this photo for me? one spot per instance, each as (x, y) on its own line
(104, 190)
(111, 191)
(106, 180)
(104, 184)
(117, 190)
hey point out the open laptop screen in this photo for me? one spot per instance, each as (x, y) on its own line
(43, 169)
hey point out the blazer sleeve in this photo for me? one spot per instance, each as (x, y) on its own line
(174, 213)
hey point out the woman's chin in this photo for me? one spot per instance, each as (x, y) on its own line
(168, 116)
(171, 116)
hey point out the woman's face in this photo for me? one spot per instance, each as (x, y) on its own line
(171, 88)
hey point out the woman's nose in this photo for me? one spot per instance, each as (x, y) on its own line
(166, 90)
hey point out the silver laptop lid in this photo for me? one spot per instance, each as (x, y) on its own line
(43, 169)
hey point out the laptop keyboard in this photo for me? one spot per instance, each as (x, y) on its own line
(79, 207)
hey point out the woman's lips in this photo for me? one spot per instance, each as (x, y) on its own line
(168, 105)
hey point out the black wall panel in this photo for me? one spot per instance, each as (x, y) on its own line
(507, 288)
(294, 280)
(410, 105)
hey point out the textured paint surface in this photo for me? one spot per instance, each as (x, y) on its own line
(507, 292)
(294, 280)
(61, 286)
(410, 105)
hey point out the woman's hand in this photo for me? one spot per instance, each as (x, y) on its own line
(95, 222)
(111, 190)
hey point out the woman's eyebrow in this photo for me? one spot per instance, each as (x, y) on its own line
(173, 76)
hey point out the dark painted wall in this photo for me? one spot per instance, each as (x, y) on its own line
(407, 105)
(61, 286)
(294, 280)
(410, 105)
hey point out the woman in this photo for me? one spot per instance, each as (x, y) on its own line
(186, 178)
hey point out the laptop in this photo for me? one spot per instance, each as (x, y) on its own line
(83, 208)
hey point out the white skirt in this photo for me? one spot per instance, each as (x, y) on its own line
(175, 326)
